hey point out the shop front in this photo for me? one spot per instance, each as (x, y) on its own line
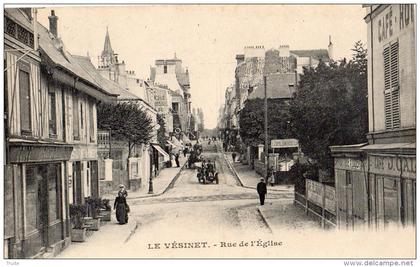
(375, 185)
(36, 215)
(392, 179)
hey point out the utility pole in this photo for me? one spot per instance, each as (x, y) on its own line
(266, 126)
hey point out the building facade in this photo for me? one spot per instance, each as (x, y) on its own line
(50, 136)
(376, 182)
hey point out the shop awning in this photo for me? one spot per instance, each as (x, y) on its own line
(161, 151)
(170, 143)
(176, 142)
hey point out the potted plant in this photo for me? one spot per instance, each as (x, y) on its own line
(105, 211)
(78, 231)
(93, 206)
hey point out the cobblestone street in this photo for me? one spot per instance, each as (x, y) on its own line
(190, 212)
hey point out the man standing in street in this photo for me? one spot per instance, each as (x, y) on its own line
(262, 191)
(233, 157)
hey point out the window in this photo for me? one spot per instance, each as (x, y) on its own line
(175, 107)
(33, 203)
(19, 32)
(76, 130)
(391, 201)
(392, 86)
(24, 99)
(54, 192)
(91, 123)
(63, 113)
(165, 69)
(52, 116)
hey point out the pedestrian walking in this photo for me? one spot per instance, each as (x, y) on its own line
(121, 206)
(185, 151)
(177, 159)
(233, 156)
(262, 191)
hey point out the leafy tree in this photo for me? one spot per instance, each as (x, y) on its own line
(251, 120)
(330, 107)
(127, 122)
(161, 133)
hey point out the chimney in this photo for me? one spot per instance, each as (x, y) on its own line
(284, 51)
(240, 59)
(53, 24)
(330, 49)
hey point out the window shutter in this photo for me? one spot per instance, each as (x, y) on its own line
(392, 90)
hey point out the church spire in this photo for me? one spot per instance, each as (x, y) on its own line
(107, 54)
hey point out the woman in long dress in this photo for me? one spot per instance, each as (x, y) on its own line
(120, 205)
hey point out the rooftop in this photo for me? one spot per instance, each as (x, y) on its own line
(54, 53)
(279, 85)
(320, 54)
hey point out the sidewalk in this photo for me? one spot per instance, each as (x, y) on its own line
(120, 233)
(160, 183)
(250, 178)
(285, 215)
(110, 237)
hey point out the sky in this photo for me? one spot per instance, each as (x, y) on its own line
(206, 37)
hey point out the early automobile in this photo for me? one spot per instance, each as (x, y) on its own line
(206, 173)
(195, 156)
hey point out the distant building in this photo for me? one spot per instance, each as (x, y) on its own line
(376, 182)
(112, 69)
(171, 73)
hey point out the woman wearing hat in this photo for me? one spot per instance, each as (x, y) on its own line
(122, 191)
(121, 206)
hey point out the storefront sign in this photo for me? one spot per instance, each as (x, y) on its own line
(314, 191)
(20, 153)
(329, 195)
(393, 20)
(161, 101)
(283, 143)
(404, 166)
(321, 195)
(350, 164)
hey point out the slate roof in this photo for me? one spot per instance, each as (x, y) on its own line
(115, 88)
(320, 54)
(55, 51)
(101, 81)
(277, 86)
(183, 78)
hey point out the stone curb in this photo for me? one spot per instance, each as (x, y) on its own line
(240, 181)
(170, 185)
(264, 219)
(232, 169)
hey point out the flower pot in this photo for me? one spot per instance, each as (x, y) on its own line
(93, 224)
(78, 235)
(106, 215)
